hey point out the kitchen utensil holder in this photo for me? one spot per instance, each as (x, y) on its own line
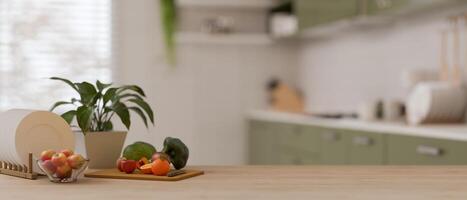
(21, 171)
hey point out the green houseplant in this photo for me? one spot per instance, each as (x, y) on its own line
(168, 21)
(94, 110)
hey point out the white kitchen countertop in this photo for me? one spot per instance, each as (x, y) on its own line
(441, 131)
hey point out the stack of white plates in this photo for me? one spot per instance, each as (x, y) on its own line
(28, 131)
(436, 102)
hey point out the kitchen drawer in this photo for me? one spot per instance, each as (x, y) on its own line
(281, 143)
(299, 137)
(262, 143)
(365, 148)
(333, 147)
(381, 6)
(425, 151)
(298, 144)
(294, 156)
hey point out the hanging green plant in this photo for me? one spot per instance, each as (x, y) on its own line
(168, 17)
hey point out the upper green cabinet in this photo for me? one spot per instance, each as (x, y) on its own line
(316, 12)
(374, 7)
(311, 13)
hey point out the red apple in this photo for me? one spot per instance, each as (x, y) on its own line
(63, 171)
(159, 155)
(119, 163)
(128, 166)
(67, 152)
(75, 161)
(49, 166)
(47, 155)
(59, 159)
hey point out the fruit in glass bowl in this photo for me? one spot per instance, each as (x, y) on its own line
(61, 167)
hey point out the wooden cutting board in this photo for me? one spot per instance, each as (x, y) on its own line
(115, 174)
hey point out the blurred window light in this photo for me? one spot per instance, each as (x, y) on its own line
(41, 39)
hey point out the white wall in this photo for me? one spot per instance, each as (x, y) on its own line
(203, 99)
(343, 70)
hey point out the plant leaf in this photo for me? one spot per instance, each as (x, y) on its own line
(68, 116)
(129, 95)
(83, 116)
(169, 23)
(87, 92)
(141, 114)
(101, 86)
(74, 100)
(135, 88)
(145, 106)
(59, 103)
(123, 113)
(107, 126)
(95, 98)
(107, 109)
(109, 94)
(66, 81)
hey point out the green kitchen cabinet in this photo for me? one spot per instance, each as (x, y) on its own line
(300, 137)
(274, 143)
(333, 147)
(365, 148)
(298, 144)
(375, 7)
(382, 6)
(409, 150)
(262, 142)
(282, 143)
(293, 156)
(315, 12)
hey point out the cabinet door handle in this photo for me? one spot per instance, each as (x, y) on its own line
(429, 150)
(297, 161)
(383, 4)
(361, 141)
(330, 136)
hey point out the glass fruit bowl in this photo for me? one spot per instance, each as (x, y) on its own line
(64, 173)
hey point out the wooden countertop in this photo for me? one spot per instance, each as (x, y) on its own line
(262, 182)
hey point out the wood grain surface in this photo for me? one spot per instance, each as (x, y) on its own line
(262, 182)
(115, 174)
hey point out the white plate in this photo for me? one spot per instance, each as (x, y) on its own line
(28, 131)
(39, 131)
(6, 143)
(435, 102)
(10, 121)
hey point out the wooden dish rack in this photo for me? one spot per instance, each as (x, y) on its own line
(21, 171)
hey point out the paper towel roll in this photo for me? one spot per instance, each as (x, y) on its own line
(29, 131)
(436, 102)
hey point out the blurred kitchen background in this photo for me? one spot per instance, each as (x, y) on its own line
(259, 81)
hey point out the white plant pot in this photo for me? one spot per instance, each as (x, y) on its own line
(101, 148)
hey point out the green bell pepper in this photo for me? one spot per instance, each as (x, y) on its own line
(177, 151)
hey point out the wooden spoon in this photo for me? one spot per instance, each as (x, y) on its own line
(456, 76)
(444, 66)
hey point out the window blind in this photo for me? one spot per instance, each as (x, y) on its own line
(41, 39)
